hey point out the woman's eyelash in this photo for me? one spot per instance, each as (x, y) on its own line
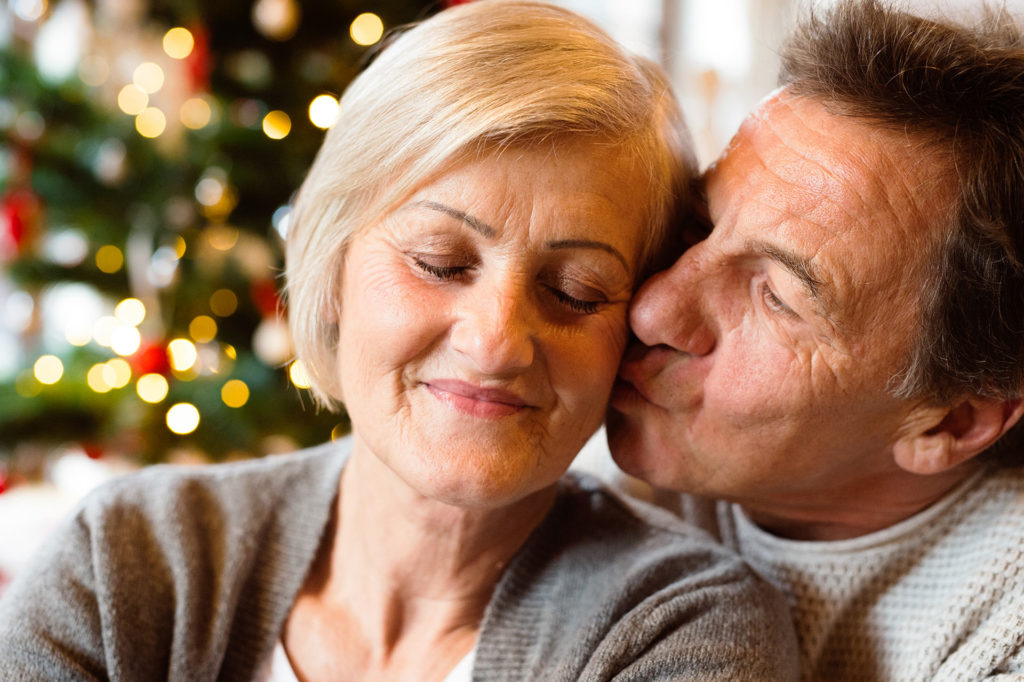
(443, 272)
(450, 273)
(575, 304)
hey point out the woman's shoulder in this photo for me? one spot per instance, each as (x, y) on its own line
(178, 558)
(162, 489)
(611, 587)
(228, 513)
(629, 549)
(590, 501)
(622, 548)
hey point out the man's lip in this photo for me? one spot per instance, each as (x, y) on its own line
(479, 393)
(640, 364)
(625, 392)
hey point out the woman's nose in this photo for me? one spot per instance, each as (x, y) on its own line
(668, 309)
(494, 329)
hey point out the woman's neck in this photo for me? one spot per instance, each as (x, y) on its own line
(406, 577)
(392, 539)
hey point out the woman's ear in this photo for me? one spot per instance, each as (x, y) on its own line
(956, 434)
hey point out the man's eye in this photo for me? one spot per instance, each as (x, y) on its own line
(774, 303)
(574, 304)
(442, 272)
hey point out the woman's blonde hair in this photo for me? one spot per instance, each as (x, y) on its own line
(479, 75)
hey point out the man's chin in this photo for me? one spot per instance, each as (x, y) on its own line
(626, 442)
(646, 454)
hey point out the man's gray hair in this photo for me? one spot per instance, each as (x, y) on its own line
(957, 89)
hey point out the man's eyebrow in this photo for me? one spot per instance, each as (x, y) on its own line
(800, 267)
(589, 244)
(478, 225)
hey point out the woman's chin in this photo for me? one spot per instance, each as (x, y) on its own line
(475, 482)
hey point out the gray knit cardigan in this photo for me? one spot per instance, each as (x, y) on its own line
(189, 574)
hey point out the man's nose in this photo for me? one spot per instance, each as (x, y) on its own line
(494, 328)
(669, 308)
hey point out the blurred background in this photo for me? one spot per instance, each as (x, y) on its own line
(148, 151)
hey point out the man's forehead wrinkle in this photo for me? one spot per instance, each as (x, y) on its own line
(795, 209)
(844, 175)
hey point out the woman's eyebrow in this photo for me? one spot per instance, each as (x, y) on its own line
(589, 244)
(489, 232)
(478, 225)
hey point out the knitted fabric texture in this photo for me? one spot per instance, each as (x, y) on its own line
(937, 597)
(189, 575)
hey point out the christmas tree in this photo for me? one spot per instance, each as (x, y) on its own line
(148, 157)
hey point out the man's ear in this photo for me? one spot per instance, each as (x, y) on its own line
(956, 434)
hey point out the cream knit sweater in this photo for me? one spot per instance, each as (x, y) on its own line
(938, 597)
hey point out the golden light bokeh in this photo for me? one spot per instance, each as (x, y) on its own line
(277, 125)
(109, 259)
(195, 113)
(223, 302)
(96, 379)
(182, 354)
(151, 122)
(366, 29)
(117, 373)
(297, 373)
(125, 339)
(235, 393)
(179, 42)
(152, 387)
(276, 19)
(323, 111)
(78, 333)
(149, 77)
(132, 99)
(182, 418)
(222, 237)
(130, 311)
(202, 328)
(103, 330)
(48, 369)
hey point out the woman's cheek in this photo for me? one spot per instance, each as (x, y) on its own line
(591, 359)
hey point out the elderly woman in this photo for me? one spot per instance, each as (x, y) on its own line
(461, 258)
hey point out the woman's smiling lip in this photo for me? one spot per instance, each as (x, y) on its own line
(489, 403)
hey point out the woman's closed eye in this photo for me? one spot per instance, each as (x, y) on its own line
(440, 271)
(568, 294)
(575, 292)
(576, 305)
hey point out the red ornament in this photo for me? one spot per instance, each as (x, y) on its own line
(92, 450)
(197, 64)
(3, 482)
(19, 221)
(20, 208)
(151, 358)
(452, 3)
(264, 296)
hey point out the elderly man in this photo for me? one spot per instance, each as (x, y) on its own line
(840, 362)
